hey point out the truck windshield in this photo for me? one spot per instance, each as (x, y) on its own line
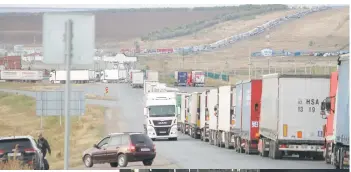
(162, 111)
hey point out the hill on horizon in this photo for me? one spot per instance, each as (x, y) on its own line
(116, 25)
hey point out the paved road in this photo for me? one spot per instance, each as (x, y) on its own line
(126, 114)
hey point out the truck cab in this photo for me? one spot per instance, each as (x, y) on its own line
(160, 115)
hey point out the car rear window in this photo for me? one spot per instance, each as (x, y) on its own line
(10, 144)
(140, 138)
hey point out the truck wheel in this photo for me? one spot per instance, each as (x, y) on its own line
(210, 140)
(276, 154)
(263, 146)
(226, 141)
(327, 153)
(247, 147)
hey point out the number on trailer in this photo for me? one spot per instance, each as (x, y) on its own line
(254, 124)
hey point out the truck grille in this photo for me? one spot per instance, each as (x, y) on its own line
(162, 131)
(162, 122)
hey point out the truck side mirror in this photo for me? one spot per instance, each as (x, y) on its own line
(256, 106)
(215, 107)
(145, 111)
(322, 106)
(327, 104)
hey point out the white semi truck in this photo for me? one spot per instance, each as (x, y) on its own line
(160, 115)
(21, 75)
(290, 122)
(77, 76)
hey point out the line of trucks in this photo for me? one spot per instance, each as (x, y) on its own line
(59, 76)
(278, 115)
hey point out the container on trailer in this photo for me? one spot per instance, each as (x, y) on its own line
(212, 102)
(252, 90)
(122, 73)
(290, 106)
(198, 78)
(224, 118)
(111, 74)
(342, 114)
(137, 79)
(152, 76)
(22, 75)
(204, 115)
(182, 78)
(194, 108)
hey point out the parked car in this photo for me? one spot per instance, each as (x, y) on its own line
(25, 149)
(120, 148)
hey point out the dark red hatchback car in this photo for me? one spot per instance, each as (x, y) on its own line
(120, 148)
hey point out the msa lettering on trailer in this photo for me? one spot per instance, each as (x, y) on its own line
(309, 105)
(254, 124)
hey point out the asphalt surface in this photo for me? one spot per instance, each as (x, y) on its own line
(126, 114)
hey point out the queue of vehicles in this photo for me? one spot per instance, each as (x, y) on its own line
(278, 115)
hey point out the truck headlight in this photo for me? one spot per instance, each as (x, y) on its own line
(150, 129)
(174, 128)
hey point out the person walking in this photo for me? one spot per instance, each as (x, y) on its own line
(43, 145)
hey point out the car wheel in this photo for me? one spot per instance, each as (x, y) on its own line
(88, 162)
(148, 162)
(113, 164)
(153, 139)
(122, 160)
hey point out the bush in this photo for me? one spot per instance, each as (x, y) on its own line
(13, 165)
(244, 12)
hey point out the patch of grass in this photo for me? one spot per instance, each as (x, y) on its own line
(17, 117)
(28, 86)
(98, 97)
(13, 164)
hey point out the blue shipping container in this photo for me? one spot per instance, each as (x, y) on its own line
(182, 78)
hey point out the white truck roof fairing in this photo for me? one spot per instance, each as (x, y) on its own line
(160, 98)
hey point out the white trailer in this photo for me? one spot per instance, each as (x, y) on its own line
(137, 80)
(226, 116)
(21, 75)
(110, 76)
(122, 73)
(182, 120)
(152, 76)
(204, 116)
(213, 110)
(198, 78)
(194, 115)
(77, 76)
(130, 74)
(290, 122)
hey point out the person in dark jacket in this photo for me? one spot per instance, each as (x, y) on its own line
(43, 145)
